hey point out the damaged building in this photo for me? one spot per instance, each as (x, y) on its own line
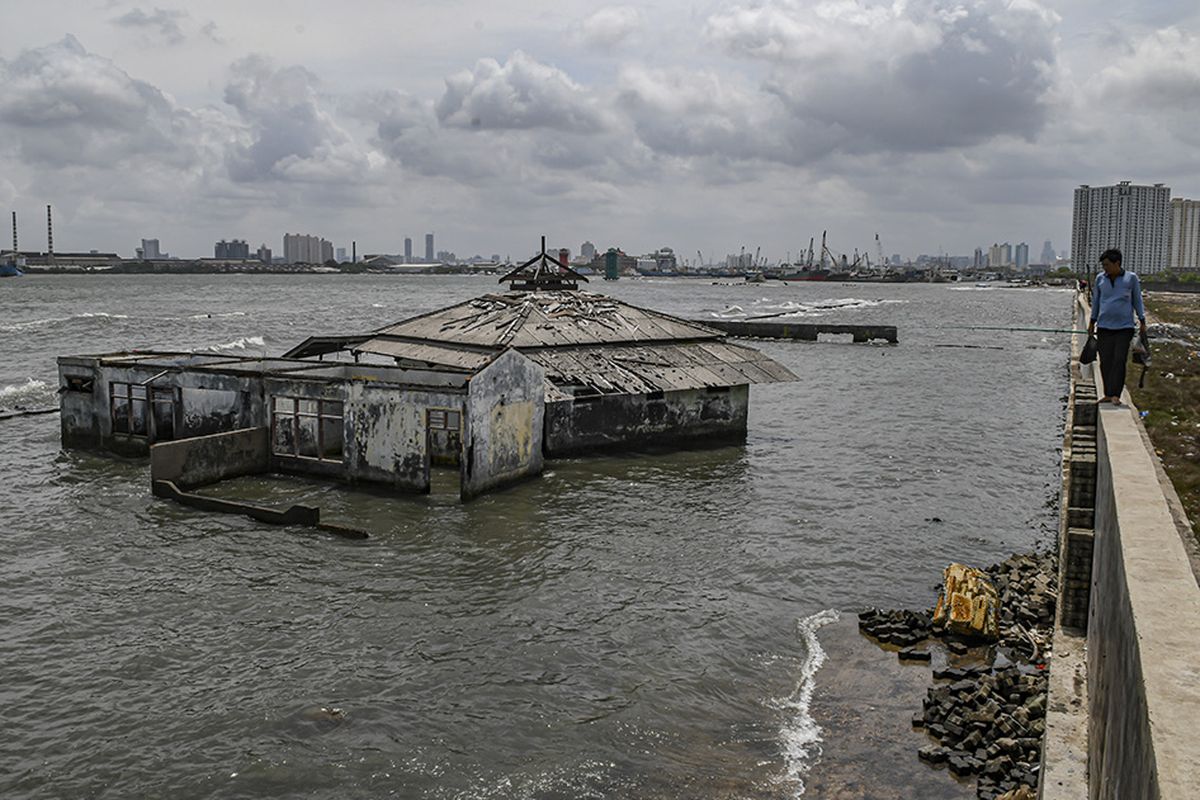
(490, 386)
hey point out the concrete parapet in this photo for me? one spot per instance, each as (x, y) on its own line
(201, 460)
(1144, 623)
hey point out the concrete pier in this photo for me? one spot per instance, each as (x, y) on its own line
(807, 331)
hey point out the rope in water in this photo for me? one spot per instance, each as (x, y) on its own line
(1000, 328)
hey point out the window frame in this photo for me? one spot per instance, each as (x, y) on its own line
(293, 417)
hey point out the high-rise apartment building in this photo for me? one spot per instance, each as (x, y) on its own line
(1184, 244)
(341, 255)
(299, 248)
(407, 249)
(1021, 256)
(1000, 255)
(1133, 218)
(238, 248)
(429, 247)
(150, 249)
(264, 253)
(1047, 253)
(587, 251)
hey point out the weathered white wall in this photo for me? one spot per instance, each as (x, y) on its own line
(502, 437)
(387, 440)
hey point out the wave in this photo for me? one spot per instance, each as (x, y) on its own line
(38, 323)
(800, 734)
(240, 344)
(32, 392)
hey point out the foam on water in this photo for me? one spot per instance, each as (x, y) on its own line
(800, 735)
(23, 394)
(241, 343)
(38, 323)
(793, 308)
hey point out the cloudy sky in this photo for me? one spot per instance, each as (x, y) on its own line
(708, 126)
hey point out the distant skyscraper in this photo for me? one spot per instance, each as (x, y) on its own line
(264, 253)
(1021, 256)
(234, 249)
(979, 260)
(341, 254)
(150, 249)
(1047, 253)
(429, 247)
(587, 251)
(1134, 218)
(299, 248)
(1184, 246)
(407, 250)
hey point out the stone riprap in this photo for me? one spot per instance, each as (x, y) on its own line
(986, 710)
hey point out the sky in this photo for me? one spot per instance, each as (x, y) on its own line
(702, 126)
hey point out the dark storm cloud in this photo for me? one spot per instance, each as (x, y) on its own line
(164, 21)
(916, 77)
(63, 105)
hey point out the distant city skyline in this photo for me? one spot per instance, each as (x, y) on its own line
(711, 128)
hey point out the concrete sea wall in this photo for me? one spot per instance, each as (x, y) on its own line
(1132, 702)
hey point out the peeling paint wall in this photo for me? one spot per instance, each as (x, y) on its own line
(504, 424)
(696, 416)
(388, 441)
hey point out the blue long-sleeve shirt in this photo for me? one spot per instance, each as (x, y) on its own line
(1114, 302)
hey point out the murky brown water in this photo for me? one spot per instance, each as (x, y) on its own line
(621, 627)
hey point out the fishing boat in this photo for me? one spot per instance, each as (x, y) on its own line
(10, 265)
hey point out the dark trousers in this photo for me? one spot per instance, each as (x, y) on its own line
(1112, 345)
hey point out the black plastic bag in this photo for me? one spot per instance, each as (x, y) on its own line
(1089, 351)
(1141, 355)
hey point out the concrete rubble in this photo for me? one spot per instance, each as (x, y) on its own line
(985, 712)
(968, 604)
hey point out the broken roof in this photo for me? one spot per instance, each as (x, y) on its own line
(545, 319)
(587, 343)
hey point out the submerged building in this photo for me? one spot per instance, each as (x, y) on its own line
(491, 386)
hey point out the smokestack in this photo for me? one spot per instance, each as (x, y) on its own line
(49, 233)
(353, 252)
(14, 232)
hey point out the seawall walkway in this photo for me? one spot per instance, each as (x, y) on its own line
(1124, 699)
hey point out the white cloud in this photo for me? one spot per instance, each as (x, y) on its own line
(61, 104)
(521, 93)
(163, 21)
(609, 27)
(294, 137)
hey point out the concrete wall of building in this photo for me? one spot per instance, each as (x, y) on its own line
(504, 424)
(694, 416)
(209, 403)
(387, 434)
(201, 460)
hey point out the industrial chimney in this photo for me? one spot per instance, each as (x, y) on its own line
(14, 234)
(49, 234)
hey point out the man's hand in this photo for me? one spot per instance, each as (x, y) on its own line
(1142, 327)
(1092, 328)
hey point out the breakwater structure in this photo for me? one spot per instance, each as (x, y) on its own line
(805, 331)
(1124, 685)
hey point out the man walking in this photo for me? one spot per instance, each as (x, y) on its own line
(1116, 297)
